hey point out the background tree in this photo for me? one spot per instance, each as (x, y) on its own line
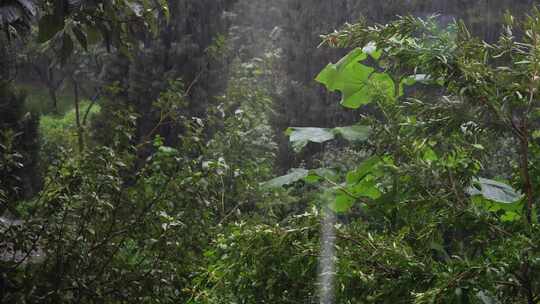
(18, 129)
(190, 48)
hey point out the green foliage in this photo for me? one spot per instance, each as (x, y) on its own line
(497, 197)
(360, 184)
(122, 228)
(103, 231)
(241, 149)
(299, 137)
(495, 191)
(83, 203)
(456, 237)
(170, 200)
(358, 83)
(99, 21)
(18, 148)
(58, 134)
(350, 78)
(38, 100)
(292, 177)
(259, 263)
(299, 174)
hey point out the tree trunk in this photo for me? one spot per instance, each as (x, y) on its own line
(80, 132)
(54, 99)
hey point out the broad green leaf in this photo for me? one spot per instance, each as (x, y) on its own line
(299, 137)
(494, 191)
(320, 174)
(357, 82)
(354, 133)
(511, 216)
(292, 177)
(349, 77)
(383, 83)
(509, 212)
(49, 25)
(429, 156)
(497, 197)
(337, 200)
(342, 202)
(360, 183)
(310, 176)
(365, 188)
(341, 199)
(362, 97)
(367, 167)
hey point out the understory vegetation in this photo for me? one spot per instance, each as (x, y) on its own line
(211, 152)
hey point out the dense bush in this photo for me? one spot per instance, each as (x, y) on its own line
(106, 228)
(18, 148)
(260, 263)
(435, 229)
(423, 190)
(58, 134)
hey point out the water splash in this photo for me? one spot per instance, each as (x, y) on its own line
(327, 259)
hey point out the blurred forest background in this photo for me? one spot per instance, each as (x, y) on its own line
(137, 140)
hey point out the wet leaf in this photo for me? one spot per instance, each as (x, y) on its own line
(299, 137)
(293, 176)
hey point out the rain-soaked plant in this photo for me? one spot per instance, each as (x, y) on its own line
(442, 100)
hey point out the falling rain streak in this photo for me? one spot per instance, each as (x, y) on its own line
(327, 259)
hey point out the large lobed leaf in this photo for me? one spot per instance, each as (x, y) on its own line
(494, 191)
(293, 176)
(360, 183)
(300, 137)
(349, 77)
(356, 133)
(358, 83)
(497, 197)
(299, 174)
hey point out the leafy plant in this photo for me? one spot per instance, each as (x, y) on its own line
(441, 97)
